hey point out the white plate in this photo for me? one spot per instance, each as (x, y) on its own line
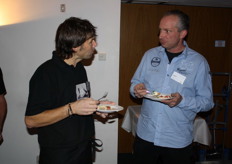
(161, 97)
(113, 108)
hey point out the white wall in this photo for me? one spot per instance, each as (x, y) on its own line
(27, 33)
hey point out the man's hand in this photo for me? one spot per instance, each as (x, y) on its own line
(84, 106)
(140, 90)
(174, 101)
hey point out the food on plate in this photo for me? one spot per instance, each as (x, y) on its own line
(154, 93)
(165, 96)
(158, 95)
(107, 108)
(104, 107)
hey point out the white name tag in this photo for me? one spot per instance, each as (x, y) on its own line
(178, 77)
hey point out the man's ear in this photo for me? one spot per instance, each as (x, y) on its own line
(76, 49)
(183, 34)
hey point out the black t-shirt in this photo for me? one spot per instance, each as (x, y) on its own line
(2, 86)
(55, 84)
(172, 55)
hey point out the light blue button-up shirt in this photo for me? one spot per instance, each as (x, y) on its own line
(158, 123)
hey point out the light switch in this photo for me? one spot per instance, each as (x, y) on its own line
(102, 56)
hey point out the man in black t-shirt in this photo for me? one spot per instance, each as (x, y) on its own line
(3, 105)
(58, 103)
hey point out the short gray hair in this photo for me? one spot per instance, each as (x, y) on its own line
(184, 19)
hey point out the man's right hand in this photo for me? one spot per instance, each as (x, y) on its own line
(140, 90)
(84, 106)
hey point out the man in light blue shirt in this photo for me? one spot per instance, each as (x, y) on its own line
(164, 130)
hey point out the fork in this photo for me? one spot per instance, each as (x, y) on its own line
(104, 96)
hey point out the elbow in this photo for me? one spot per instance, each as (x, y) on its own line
(209, 107)
(29, 122)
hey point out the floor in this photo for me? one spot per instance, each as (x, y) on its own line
(215, 162)
(125, 158)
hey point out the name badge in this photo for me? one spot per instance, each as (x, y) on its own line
(178, 77)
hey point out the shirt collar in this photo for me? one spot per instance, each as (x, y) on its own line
(61, 62)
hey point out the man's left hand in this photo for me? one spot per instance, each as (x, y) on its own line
(176, 99)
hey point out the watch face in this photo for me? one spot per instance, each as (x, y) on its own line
(83, 90)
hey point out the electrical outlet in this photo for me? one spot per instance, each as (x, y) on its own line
(62, 8)
(220, 43)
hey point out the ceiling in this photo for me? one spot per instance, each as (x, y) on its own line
(205, 3)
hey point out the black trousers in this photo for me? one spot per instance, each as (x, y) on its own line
(78, 154)
(147, 153)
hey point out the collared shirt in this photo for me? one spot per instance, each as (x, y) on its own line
(188, 74)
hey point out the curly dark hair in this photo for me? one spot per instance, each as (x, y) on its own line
(72, 33)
